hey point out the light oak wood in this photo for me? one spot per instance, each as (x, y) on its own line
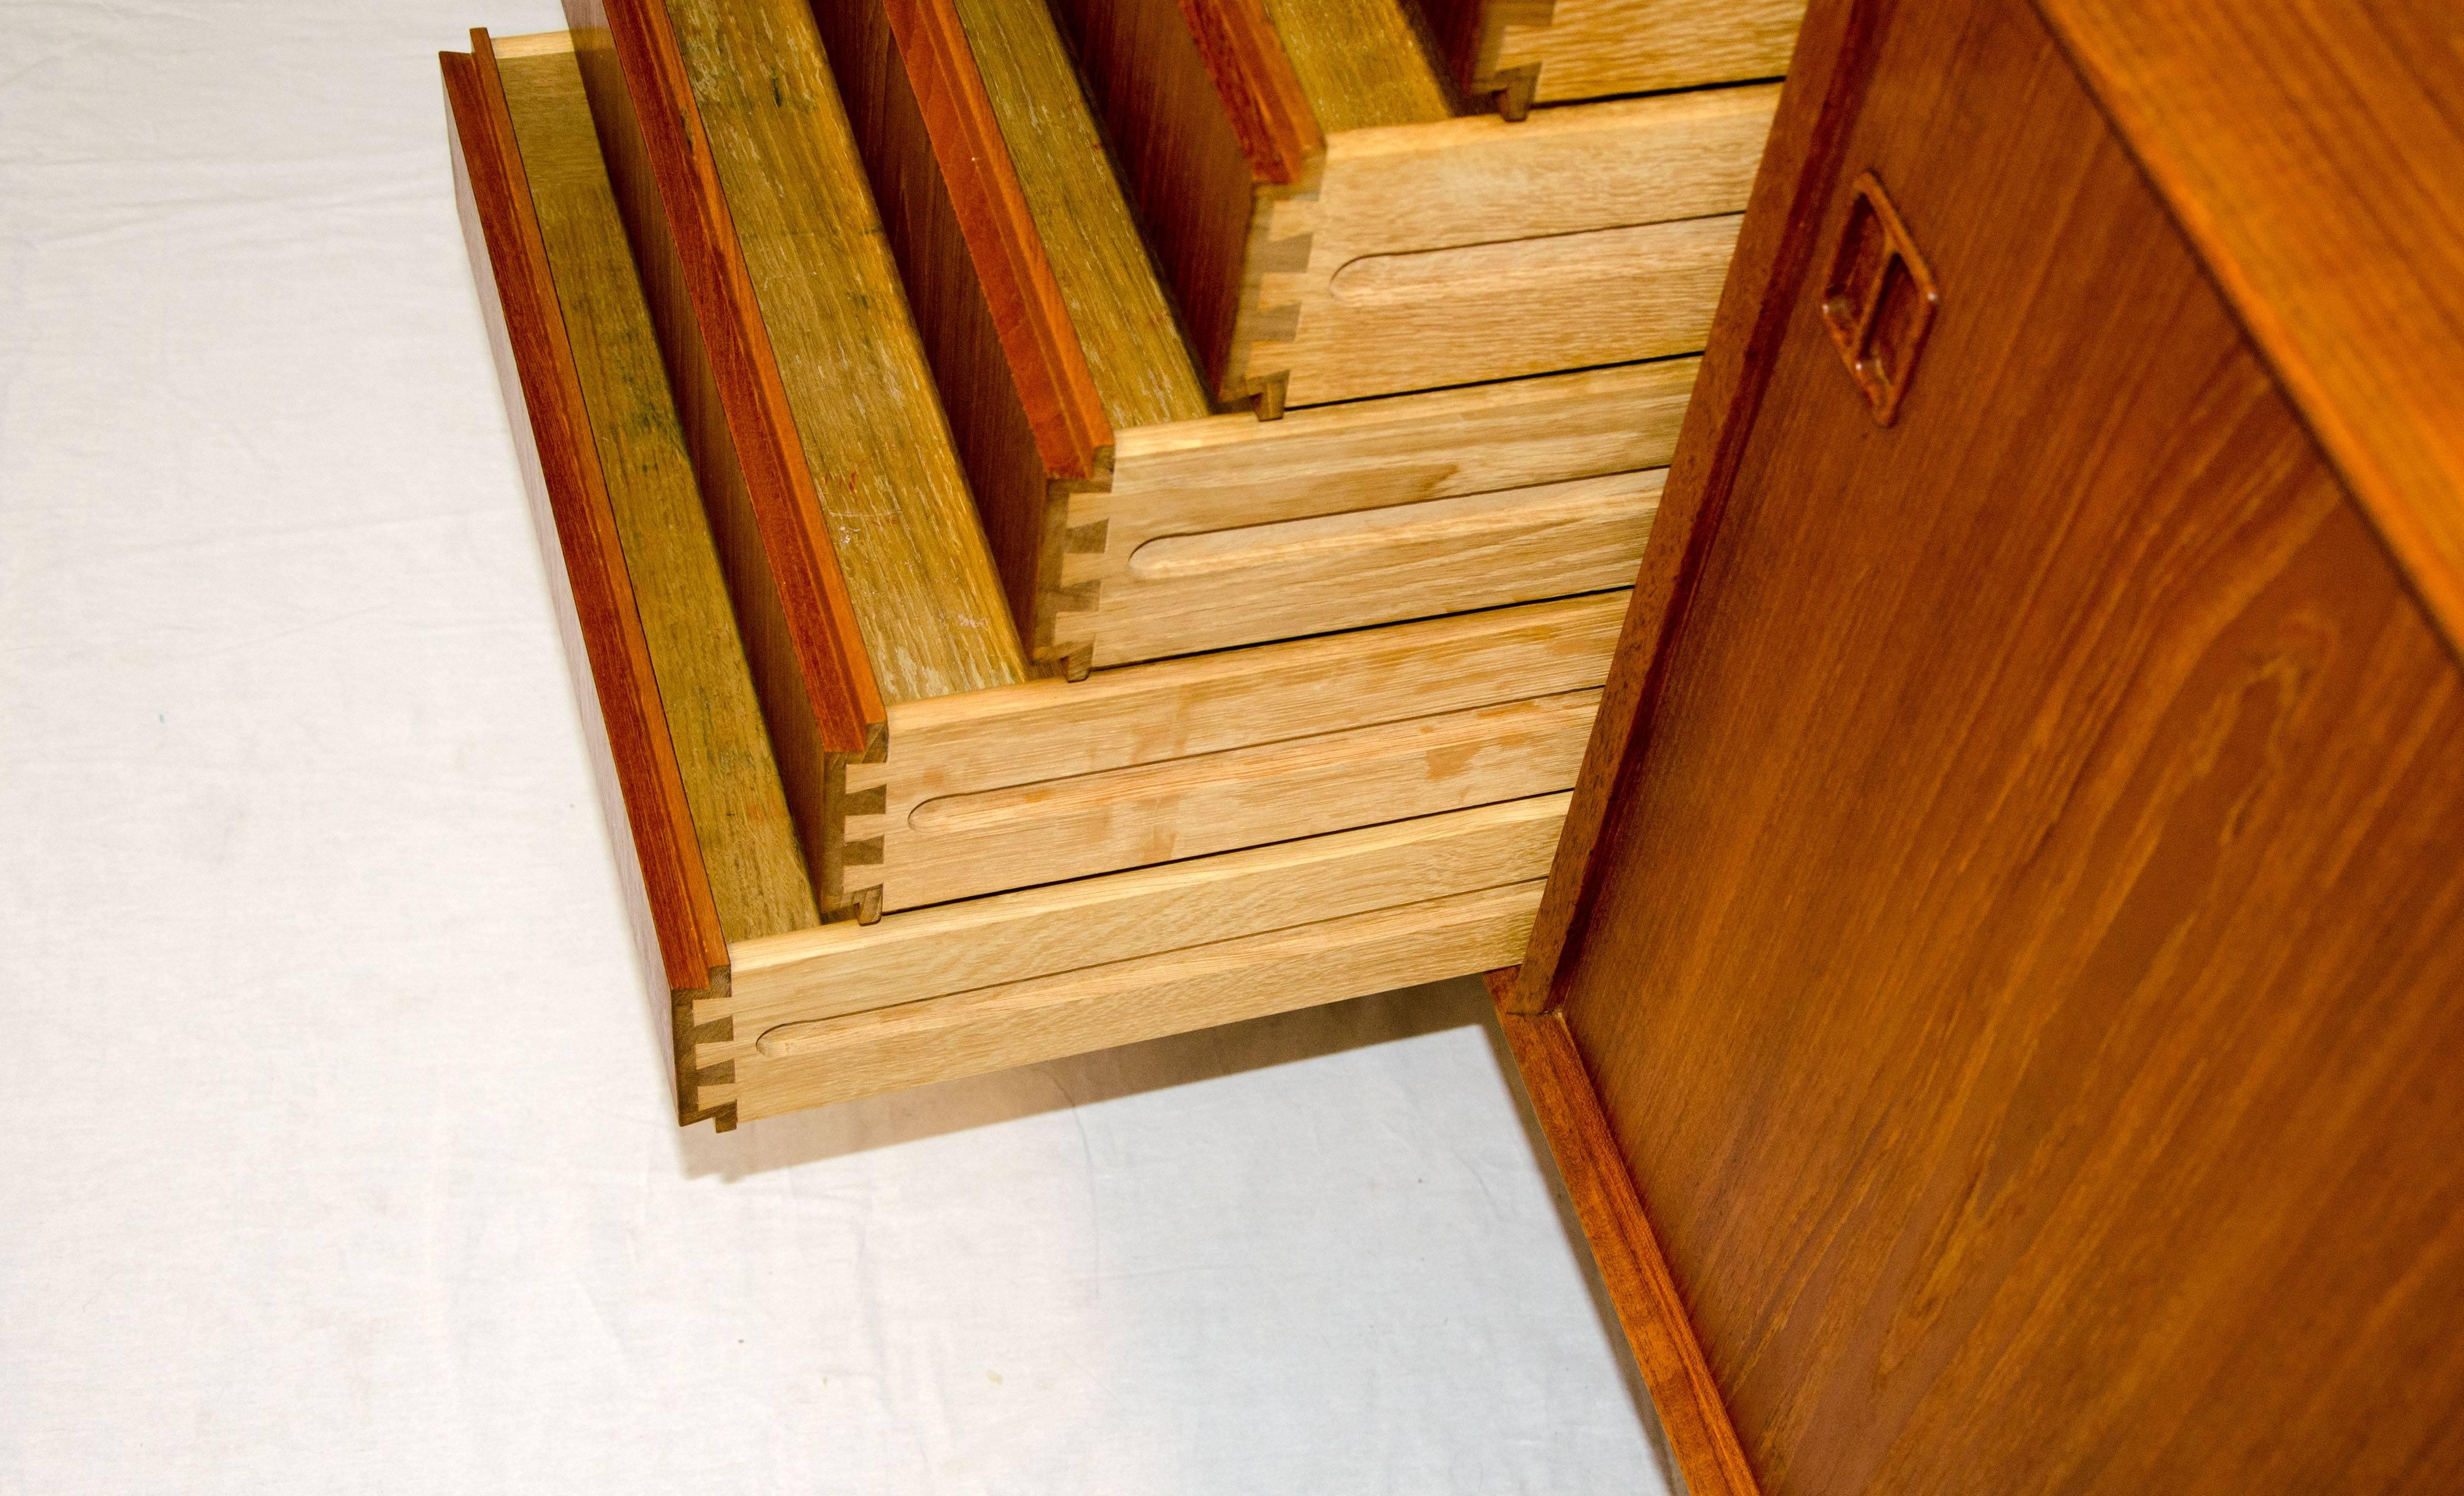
(1183, 593)
(916, 1044)
(802, 635)
(878, 448)
(1372, 477)
(1056, 779)
(1117, 309)
(639, 782)
(1350, 757)
(800, 626)
(1776, 243)
(951, 847)
(1082, 596)
(1228, 472)
(1586, 49)
(951, 948)
(1318, 265)
(1024, 416)
(1207, 122)
(1411, 319)
(739, 808)
(1478, 248)
(532, 44)
(850, 540)
(1632, 1268)
(1359, 62)
(1527, 51)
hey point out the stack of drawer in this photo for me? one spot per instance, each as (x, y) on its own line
(995, 680)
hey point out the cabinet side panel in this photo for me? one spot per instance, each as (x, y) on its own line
(2022, 975)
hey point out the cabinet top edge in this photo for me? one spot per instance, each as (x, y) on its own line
(2312, 156)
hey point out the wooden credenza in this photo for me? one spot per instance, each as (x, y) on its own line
(2008, 940)
(1998, 998)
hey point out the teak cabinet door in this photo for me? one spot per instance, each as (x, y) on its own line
(2022, 963)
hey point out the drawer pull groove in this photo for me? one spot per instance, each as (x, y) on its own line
(1463, 524)
(1449, 745)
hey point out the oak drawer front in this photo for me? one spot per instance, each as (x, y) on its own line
(1131, 521)
(1331, 234)
(1151, 763)
(845, 1010)
(1372, 808)
(1162, 586)
(1527, 52)
(1478, 248)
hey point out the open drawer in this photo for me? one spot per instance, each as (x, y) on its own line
(1067, 865)
(1524, 52)
(919, 761)
(1334, 229)
(1129, 522)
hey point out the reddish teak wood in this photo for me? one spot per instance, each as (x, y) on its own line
(1632, 1268)
(1206, 115)
(2013, 939)
(2313, 153)
(712, 330)
(1773, 251)
(1022, 405)
(1879, 300)
(560, 468)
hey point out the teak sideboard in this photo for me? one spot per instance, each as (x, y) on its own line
(2000, 994)
(1997, 999)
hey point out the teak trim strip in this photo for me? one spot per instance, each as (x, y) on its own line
(1779, 241)
(1627, 1251)
(1058, 390)
(569, 494)
(838, 679)
(1022, 405)
(1261, 94)
(514, 259)
(1211, 129)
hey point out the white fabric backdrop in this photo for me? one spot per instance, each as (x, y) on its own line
(338, 1154)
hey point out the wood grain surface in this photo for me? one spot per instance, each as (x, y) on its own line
(1025, 412)
(1365, 566)
(950, 948)
(1210, 128)
(960, 846)
(1632, 1268)
(916, 1044)
(2336, 232)
(2022, 974)
(794, 611)
(1775, 245)
(1475, 248)
(1226, 471)
(1117, 305)
(882, 466)
(665, 883)
(1588, 49)
(739, 808)
(1359, 485)
(1360, 64)
(799, 621)
(1182, 757)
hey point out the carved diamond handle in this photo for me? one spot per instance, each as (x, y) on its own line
(1879, 300)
